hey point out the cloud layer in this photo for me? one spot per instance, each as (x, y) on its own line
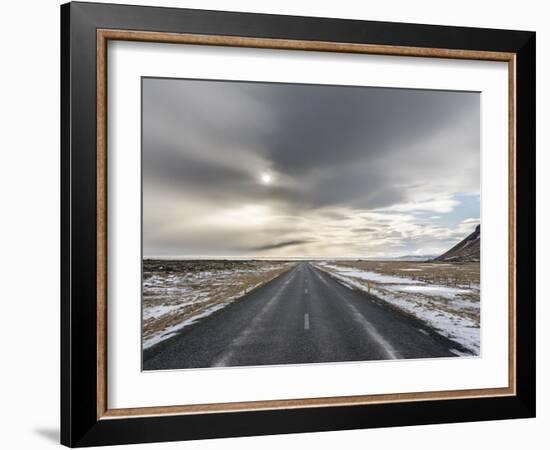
(262, 169)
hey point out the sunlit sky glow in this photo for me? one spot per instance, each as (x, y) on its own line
(266, 178)
(236, 169)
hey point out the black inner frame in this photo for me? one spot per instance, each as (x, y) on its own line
(79, 423)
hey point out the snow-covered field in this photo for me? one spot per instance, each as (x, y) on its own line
(178, 293)
(446, 296)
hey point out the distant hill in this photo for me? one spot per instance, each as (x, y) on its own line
(423, 258)
(466, 250)
(414, 258)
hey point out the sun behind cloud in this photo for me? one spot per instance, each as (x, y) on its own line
(266, 178)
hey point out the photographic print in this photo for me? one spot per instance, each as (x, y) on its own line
(299, 223)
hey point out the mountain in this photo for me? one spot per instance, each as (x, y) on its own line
(466, 250)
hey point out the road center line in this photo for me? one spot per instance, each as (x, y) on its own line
(305, 290)
(306, 321)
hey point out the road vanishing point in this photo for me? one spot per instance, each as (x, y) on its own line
(302, 316)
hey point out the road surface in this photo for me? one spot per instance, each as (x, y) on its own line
(302, 316)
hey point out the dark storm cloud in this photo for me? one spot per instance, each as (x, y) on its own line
(191, 129)
(329, 152)
(363, 230)
(338, 125)
(279, 245)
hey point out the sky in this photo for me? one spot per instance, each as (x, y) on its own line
(245, 169)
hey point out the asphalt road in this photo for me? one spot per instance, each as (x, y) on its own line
(302, 316)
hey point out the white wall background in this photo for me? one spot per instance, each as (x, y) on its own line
(29, 229)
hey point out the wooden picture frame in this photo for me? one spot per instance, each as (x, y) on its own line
(86, 418)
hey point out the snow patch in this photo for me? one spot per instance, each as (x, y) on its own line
(371, 276)
(440, 291)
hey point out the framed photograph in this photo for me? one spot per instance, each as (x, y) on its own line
(276, 224)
